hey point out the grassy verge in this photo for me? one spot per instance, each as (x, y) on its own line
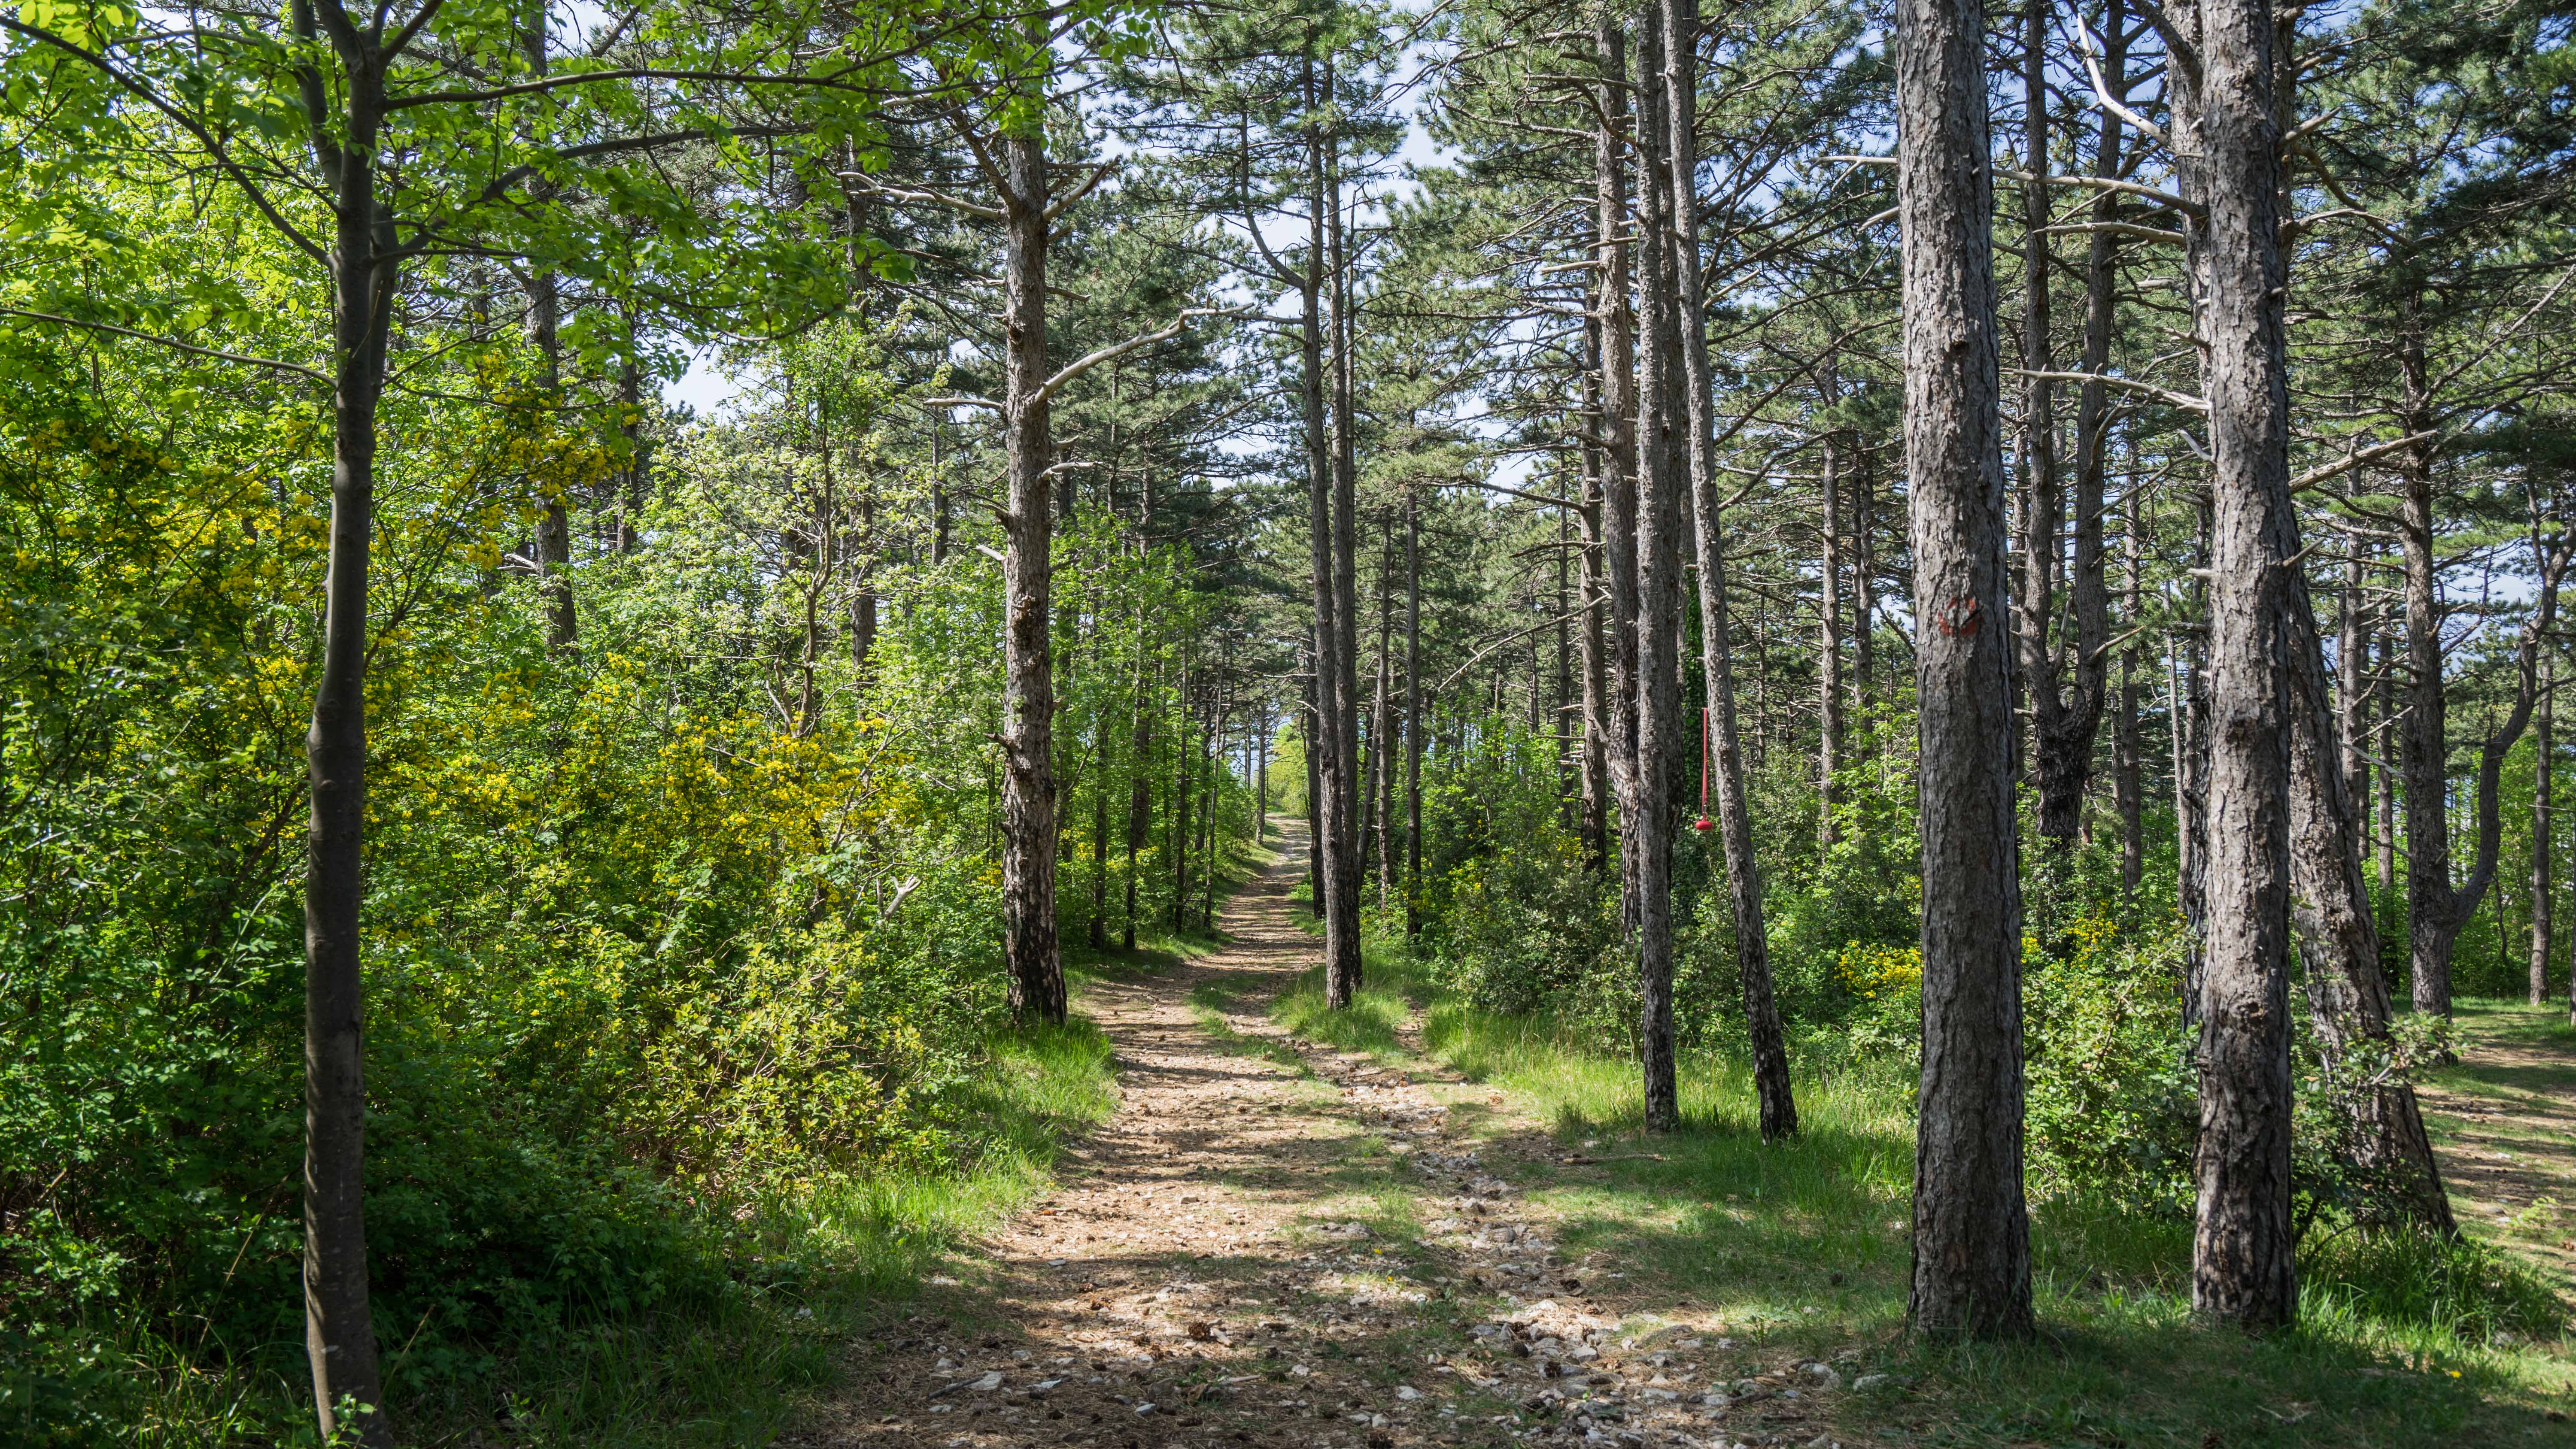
(728, 1362)
(1801, 1247)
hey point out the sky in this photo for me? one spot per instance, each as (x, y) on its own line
(707, 387)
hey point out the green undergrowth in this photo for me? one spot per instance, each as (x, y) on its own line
(1803, 1246)
(786, 1282)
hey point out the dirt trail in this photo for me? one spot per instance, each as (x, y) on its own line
(1276, 1243)
(2504, 1132)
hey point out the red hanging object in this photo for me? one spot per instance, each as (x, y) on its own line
(1703, 824)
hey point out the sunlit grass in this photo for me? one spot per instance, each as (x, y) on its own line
(1805, 1245)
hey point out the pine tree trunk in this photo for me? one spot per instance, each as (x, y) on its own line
(2386, 803)
(2352, 686)
(1661, 439)
(1034, 965)
(1140, 789)
(1778, 1110)
(1619, 471)
(2243, 1268)
(2431, 926)
(2191, 780)
(1184, 765)
(1971, 1272)
(1595, 826)
(1864, 532)
(1412, 712)
(1829, 647)
(2126, 743)
(2035, 471)
(2541, 805)
(1337, 794)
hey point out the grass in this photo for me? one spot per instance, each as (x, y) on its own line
(805, 1273)
(1802, 1247)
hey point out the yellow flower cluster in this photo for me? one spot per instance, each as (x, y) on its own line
(1872, 971)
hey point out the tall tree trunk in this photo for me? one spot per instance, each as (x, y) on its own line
(2035, 462)
(2436, 911)
(1569, 794)
(1035, 967)
(2352, 684)
(2191, 779)
(2541, 803)
(2431, 927)
(1314, 803)
(1864, 531)
(2127, 746)
(1184, 765)
(1412, 712)
(554, 527)
(1099, 932)
(339, 1338)
(2068, 685)
(1662, 424)
(1778, 1109)
(1619, 419)
(1210, 794)
(1597, 709)
(863, 601)
(1382, 747)
(1140, 788)
(1971, 1271)
(1336, 628)
(1346, 548)
(2082, 721)
(2243, 1268)
(2386, 802)
(1829, 646)
(638, 472)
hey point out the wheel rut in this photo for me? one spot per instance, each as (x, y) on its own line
(1274, 1242)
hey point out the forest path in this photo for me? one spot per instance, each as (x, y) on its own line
(2503, 1122)
(1240, 1257)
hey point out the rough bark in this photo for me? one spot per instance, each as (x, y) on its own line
(2068, 680)
(2191, 778)
(2338, 936)
(1619, 424)
(1662, 421)
(2352, 684)
(1140, 788)
(1595, 818)
(2541, 805)
(1829, 645)
(2435, 910)
(1412, 712)
(1184, 767)
(2385, 803)
(1098, 934)
(1778, 1106)
(1336, 794)
(2128, 748)
(2243, 1270)
(1971, 1270)
(1031, 957)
